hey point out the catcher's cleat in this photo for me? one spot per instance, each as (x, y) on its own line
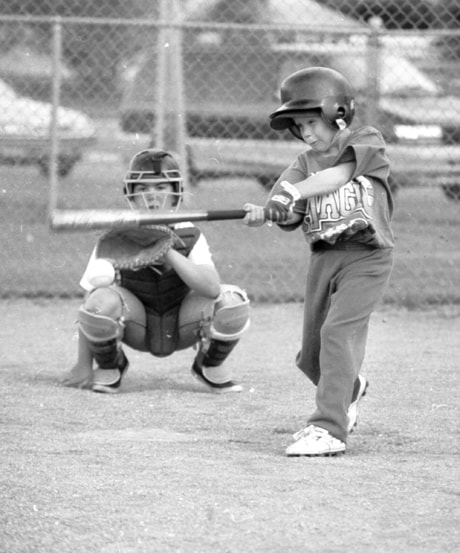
(108, 381)
(217, 388)
(314, 441)
(358, 393)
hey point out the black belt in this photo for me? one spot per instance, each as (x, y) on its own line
(339, 245)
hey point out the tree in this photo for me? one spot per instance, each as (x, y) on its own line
(92, 51)
(395, 14)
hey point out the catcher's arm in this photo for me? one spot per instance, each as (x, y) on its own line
(154, 245)
(203, 279)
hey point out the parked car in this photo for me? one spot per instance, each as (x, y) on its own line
(227, 111)
(25, 132)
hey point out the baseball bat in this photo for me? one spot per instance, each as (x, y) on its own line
(98, 219)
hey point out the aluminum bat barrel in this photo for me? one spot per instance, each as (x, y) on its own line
(99, 219)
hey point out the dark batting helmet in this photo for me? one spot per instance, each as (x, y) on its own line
(314, 88)
(153, 166)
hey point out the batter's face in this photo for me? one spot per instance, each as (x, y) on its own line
(316, 132)
(157, 196)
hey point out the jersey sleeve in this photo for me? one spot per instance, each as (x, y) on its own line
(84, 279)
(201, 253)
(367, 146)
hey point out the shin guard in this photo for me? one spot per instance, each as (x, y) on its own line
(104, 336)
(216, 353)
(108, 355)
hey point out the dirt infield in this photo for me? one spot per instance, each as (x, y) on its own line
(167, 467)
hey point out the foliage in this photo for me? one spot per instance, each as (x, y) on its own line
(395, 14)
(92, 59)
(450, 45)
(86, 8)
(409, 14)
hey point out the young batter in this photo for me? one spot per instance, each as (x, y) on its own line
(174, 304)
(337, 191)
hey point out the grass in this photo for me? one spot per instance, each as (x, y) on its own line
(269, 263)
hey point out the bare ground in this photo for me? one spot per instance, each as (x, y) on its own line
(167, 467)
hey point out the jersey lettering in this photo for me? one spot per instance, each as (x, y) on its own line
(339, 210)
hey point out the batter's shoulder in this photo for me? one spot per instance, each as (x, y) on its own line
(366, 134)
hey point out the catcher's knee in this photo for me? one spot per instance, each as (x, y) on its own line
(105, 301)
(101, 317)
(231, 314)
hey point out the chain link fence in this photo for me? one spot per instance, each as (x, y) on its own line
(84, 85)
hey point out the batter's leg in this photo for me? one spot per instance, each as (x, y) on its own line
(358, 289)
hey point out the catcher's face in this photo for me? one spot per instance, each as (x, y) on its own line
(158, 196)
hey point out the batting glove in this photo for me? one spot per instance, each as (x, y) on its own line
(279, 207)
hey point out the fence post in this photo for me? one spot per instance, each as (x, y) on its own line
(157, 136)
(169, 131)
(55, 101)
(177, 82)
(374, 72)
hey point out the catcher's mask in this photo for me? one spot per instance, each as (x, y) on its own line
(154, 166)
(314, 88)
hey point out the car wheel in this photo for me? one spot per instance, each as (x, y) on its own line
(194, 174)
(65, 165)
(452, 191)
(394, 186)
(193, 177)
(267, 181)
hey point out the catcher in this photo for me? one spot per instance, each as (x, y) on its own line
(337, 191)
(158, 291)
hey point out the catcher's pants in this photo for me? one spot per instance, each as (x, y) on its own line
(343, 288)
(193, 310)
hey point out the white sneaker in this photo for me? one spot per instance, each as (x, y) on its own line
(314, 441)
(353, 409)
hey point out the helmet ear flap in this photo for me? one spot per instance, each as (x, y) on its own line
(294, 129)
(336, 107)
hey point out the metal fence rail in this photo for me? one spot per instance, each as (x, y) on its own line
(82, 90)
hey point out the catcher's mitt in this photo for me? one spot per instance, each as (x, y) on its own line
(136, 248)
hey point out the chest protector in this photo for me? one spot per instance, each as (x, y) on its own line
(161, 291)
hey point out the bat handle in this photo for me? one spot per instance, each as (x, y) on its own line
(226, 214)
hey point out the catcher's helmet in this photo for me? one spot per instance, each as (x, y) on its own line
(154, 166)
(314, 88)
